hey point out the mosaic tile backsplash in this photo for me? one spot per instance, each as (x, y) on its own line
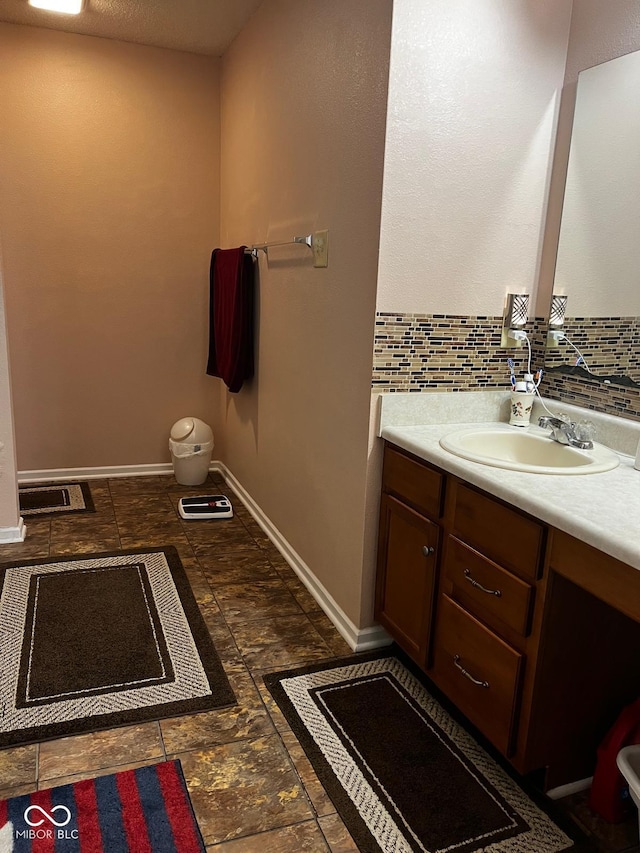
(610, 345)
(422, 352)
(592, 394)
(418, 352)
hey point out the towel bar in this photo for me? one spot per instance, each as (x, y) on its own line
(264, 247)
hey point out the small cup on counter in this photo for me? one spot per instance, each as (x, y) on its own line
(521, 404)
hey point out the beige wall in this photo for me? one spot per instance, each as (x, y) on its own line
(109, 188)
(599, 31)
(303, 115)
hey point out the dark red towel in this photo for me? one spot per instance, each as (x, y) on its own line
(231, 316)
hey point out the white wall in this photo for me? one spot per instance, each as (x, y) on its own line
(599, 31)
(470, 130)
(599, 252)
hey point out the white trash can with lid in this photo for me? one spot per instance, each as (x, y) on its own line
(191, 443)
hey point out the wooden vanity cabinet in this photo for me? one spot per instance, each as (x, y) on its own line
(532, 634)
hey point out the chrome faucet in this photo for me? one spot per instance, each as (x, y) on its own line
(567, 432)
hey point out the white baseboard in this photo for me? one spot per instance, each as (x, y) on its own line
(374, 637)
(104, 472)
(358, 639)
(13, 534)
(570, 788)
(59, 475)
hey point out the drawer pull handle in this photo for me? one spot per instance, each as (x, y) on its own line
(477, 585)
(456, 661)
(428, 551)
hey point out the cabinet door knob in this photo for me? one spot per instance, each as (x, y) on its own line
(427, 550)
(474, 583)
(456, 661)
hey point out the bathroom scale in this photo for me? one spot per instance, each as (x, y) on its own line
(205, 506)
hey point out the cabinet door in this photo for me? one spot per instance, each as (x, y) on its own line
(407, 554)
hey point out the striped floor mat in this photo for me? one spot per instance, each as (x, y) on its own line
(147, 810)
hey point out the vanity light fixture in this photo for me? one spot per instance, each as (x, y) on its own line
(516, 312)
(67, 7)
(558, 309)
(556, 319)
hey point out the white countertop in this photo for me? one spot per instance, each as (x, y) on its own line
(602, 510)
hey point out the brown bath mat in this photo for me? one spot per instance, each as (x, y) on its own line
(402, 773)
(55, 498)
(102, 641)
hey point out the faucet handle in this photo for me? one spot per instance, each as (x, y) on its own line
(585, 430)
(555, 421)
(548, 421)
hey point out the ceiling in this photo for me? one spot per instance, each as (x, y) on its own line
(198, 26)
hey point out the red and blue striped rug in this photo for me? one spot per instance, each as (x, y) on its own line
(146, 810)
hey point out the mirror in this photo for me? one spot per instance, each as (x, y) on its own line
(598, 263)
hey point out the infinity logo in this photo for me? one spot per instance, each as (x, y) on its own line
(48, 816)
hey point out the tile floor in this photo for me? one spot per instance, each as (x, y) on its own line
(252, 788)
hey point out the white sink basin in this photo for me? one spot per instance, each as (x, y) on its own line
(526, 449)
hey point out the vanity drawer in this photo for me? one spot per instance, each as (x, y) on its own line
(504, 535)
(478, 671)
(413, 482)
(487, 590)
